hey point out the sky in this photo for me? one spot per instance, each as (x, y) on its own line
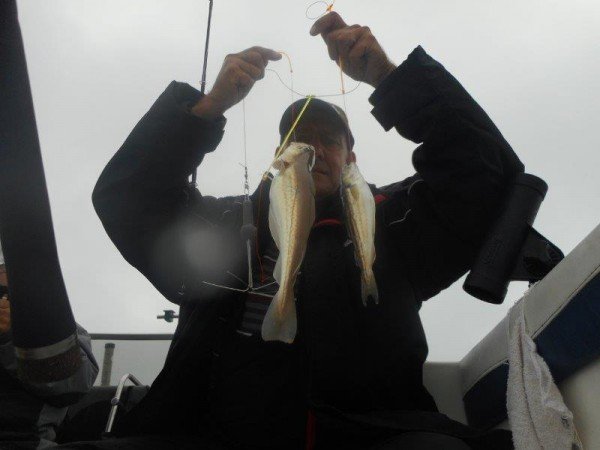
(96, 66)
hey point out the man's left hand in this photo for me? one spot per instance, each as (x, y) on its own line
(361, 56)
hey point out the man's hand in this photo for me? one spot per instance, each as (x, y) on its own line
(237, 76)
(361, 55)
(4, 315)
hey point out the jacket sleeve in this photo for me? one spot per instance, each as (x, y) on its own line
(464, 166)
(62, 392)
(144, 200)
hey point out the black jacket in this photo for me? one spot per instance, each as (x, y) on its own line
(347, 360)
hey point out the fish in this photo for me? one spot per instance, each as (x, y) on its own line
(291, 216)
(359, 212)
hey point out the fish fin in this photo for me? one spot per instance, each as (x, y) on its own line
(369, 290)
(280, 327)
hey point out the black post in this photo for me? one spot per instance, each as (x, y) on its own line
(107, 362)
(42, 322)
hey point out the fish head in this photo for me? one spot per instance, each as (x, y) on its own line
(296, 152)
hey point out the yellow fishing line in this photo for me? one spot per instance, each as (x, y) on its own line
(289, 133)
(288, 59)
(287, 136)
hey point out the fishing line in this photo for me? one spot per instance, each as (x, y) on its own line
(281, 148)
(342, 84)
(278, 153)
(289, 88)
(289, 60)
(267, 174)
(291, 84)
(328, 8)
(246, 182)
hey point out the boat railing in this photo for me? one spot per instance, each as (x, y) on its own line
(134, 355)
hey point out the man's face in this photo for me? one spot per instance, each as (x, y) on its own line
(331, 152)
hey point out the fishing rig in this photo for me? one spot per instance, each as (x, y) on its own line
(248, 229)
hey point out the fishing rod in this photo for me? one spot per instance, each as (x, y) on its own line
(248, 230)
(203, 80)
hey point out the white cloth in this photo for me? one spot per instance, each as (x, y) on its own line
(538, 416)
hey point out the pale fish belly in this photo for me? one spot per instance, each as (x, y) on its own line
(359, 209)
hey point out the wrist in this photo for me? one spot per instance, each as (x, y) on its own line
(207, 108)
(383, 74)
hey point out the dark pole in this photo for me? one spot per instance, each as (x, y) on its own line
(109, 350)
(40, 311)
(203, 81)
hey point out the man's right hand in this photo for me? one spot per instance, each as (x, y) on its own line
(237, 76)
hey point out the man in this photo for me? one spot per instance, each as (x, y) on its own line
(353, 376)
(31, 410)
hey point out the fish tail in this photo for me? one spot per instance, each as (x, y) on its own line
(280, 325)
(369, 289)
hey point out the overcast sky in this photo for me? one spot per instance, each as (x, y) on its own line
(96, 66)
